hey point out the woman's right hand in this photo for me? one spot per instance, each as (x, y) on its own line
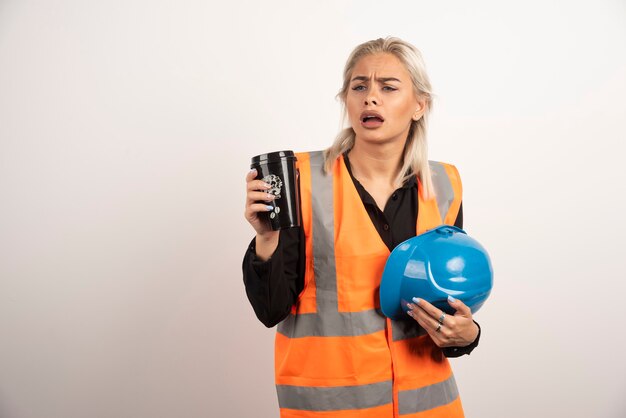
(266, 238)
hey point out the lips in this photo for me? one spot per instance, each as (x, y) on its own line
(370, 114)
(371, 119)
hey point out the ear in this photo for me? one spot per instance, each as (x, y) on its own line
(420, 108)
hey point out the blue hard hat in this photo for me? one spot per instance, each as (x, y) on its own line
(440, 262)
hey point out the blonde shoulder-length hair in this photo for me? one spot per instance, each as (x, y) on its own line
(415, 156)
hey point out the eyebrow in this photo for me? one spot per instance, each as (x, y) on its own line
(381, 79)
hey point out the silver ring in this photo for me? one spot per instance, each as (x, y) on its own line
(438, 328)
(441, 318)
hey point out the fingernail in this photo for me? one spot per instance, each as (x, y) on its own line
(451, 299)
(267, 186)
(269, 208)
(270, 196)
(410, 313)
(253, 170)
(410, 306)
(416, 300)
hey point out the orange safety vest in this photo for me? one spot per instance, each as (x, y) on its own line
(336, 355)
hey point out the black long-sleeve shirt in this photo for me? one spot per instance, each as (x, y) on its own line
(273, 286)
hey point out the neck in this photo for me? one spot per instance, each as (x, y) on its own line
(376, 163)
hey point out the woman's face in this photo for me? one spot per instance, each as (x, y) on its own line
(380, 101)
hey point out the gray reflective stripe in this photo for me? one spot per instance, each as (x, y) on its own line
(428, 397)
(443, 188)
(334, 398)
(405, 329)
(335, 324)
(323, 235)
(328, 321)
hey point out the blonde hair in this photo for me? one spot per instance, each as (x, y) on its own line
(415, 155)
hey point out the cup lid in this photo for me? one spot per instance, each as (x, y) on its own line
(272, 156)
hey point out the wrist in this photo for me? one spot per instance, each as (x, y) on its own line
(265, 237)
(265, 245)
(474, 334)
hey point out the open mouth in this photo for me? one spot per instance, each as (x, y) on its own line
(371, 119)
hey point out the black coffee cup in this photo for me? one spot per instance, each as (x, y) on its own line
(278, 169)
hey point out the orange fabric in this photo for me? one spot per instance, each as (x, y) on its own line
(360, 256)
(427, 213)
(355, 237)
(332, 361)
(455, 179)
(410, 357)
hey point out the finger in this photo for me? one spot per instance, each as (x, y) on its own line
(258, 185)
(256, 196)
(423, 316)
(251, 175)
(428, 308)
(421, 319)
(461, 308)
(426, 322)
(258, 207)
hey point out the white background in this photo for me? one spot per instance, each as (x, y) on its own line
(126, 130)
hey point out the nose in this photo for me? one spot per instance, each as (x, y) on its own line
(370, 100)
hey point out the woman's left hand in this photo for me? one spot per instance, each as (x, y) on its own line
(458, 330)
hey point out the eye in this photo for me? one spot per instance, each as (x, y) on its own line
(389, 88)
(358, 88)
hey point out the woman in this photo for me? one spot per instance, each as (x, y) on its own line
(336, 355)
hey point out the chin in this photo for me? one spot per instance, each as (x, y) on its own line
(372, 136)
